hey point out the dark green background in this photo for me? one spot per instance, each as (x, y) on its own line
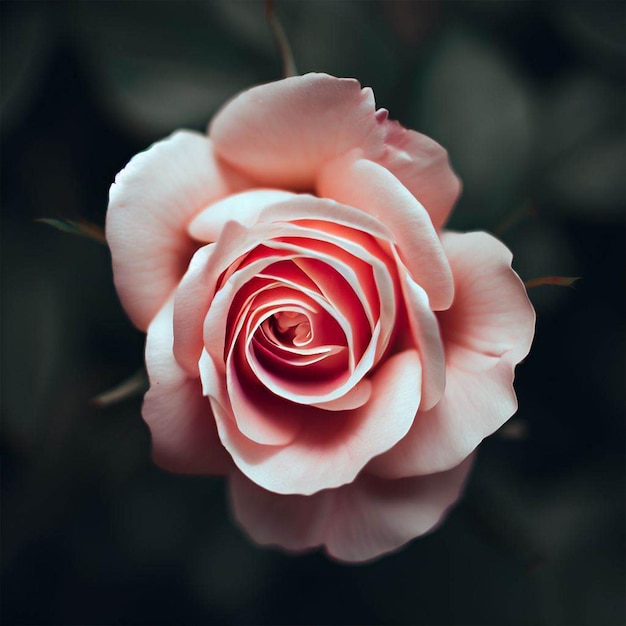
(529, 99)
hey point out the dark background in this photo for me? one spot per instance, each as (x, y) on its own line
(529, 99)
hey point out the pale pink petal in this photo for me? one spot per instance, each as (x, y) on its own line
(199, 284)
(281, 133)
(184, 436)
(356, 232)
(353, 399)
(241, 207)
(306, 207)
(234, 300)
(333, 446)
(427, 338)
(191, 301)
(151, 203)
(317, 383)
(321, 382)
(422, 166)
(491, 313)
(486, 332)
(474, 405)
(373, 189)
(271, 428)
(355, 523)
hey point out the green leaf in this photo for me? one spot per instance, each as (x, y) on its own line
(81, 227)
(558, 281)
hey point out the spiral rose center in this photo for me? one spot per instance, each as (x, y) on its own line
(291, 327)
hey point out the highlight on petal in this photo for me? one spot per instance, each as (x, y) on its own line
(243, 208)
(422, 166)
(355, 523)
(281, 133)
(425, 332)
(184, 436)
(151, 203)
(373, 189)
(333, 446)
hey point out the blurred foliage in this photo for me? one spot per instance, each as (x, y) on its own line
(528, 97)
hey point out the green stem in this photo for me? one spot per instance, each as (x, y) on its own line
(286, 54)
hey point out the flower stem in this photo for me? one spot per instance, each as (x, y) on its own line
(286, 54)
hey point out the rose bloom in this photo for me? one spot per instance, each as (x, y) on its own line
(312, 331)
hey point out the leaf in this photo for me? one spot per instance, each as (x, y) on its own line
(557, 281)
(81, 227)
(136, 385)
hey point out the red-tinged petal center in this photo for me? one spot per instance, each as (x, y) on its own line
(303, 315)
(289, 327)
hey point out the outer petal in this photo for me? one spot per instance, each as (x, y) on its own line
(184, 437)
(356, 522)
(487, 331)
(474, 405)
(491, 314)
(151, 203)
(333, 446)
(422, 166)
(281, 133)
(371, 188)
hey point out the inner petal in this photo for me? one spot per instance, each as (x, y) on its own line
(290, 327)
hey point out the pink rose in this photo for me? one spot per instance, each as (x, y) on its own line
(313, 334)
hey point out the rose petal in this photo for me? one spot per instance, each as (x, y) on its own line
(370, 187)
(244, 287)
(243, 208)
(353, 399)
(332, 448)
(425, 332)
(422, 166)
(306, 207)
(357, 522)
(486, 332)
(151, 203)
(184, 436)
(491, 314)
(474, 405)
(276, 428)
(281, 133)
(199, 284)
